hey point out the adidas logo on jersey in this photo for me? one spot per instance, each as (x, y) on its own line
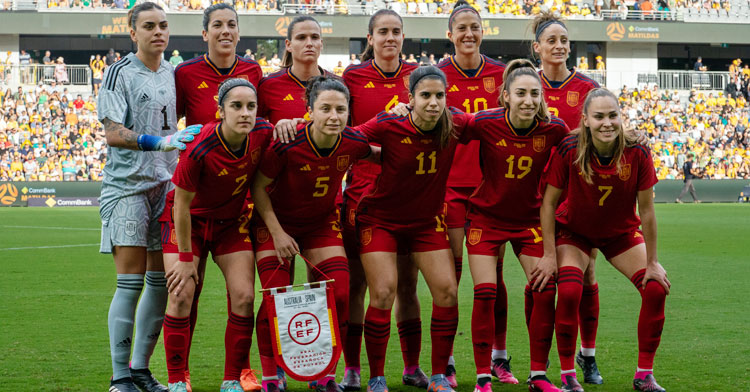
(203, 85)
(223, 172)
(288, 98)
(369, 85)
(306, 168)
(406, 140)
(453, 89)
(502, 143)
(144, 98)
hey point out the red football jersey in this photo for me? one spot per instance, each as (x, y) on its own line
(305, 181)
(282, 95)
(197, 83)
(471, 94)
(411, 186)
(606, 208)
(566, 101)
(512, 165)
(220, 178)
(371, 92)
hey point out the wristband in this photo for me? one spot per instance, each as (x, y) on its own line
(148, 142)
(186, 257)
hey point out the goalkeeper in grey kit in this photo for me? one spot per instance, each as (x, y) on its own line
(137, 108)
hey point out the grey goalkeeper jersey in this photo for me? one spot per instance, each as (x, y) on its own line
(143, 101)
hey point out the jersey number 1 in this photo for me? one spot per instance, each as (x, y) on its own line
(165, 126)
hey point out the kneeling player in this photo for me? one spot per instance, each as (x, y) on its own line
(604, 179)
(210, 214)
(294, 194)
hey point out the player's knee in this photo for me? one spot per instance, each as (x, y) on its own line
(654, 291)
(382, 296)
(589, 277)
(243, 299)
(445, 295)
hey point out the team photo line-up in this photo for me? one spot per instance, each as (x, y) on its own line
(469, 153)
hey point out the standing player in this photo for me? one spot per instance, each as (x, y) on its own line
(282, 93)
(604, 179)
(473, 81)
(418, 151)
(378, 84)
(564, 90)
(295, 196)
(136, 107)
(515, 144)
(197, 82)
(210, 215)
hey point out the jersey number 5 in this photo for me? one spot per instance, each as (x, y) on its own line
(321, 186)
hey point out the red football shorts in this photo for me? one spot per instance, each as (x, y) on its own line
(458, 200)
(220, 237)
(376, 236)
(487, 241)
(611, 247)
(326, 233)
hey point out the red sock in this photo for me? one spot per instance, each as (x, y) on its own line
(458, 264)
(569, 287)
(377, 332)
(237, 341)
(651, 319)
(528, 304)
(588, 315)
(501, 309)
(176, 338)
(337, 268)
(410, 335)
(353, 345)
(268, 279)
(483, 326)
(541, 326)
(442, 333)
(193, 321)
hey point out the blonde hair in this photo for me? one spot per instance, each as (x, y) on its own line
(585, 145)
(514, 69)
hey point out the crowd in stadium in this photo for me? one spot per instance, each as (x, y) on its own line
(567, 8)
(47, 134)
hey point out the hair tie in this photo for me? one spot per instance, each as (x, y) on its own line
(461, 8)
(546, 24)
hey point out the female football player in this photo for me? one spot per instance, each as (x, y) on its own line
(197, 82)
(295, 192)
(603, 179)
(210, 215)
(474, 80)
(564, 90)
(418, 150)
(136, 107)
(515, 143)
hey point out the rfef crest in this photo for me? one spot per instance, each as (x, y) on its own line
(625, 172)
(489, 84)
(539, 143)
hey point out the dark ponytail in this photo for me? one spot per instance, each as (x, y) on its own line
(513, 70)
(369, 52)
(287, 60)
(444, 127)
(318, 84)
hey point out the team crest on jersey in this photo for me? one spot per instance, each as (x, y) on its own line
(262, 235)
(352, 216)
(475, 235)
(365, 236)
(130, 228)
(572, 98)
(255, 155)
(342, 163)
(489, 84)
(625, 172)
(173, 237)
(406, 81)
(539, 142)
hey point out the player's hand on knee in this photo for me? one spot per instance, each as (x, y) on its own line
(655, 272)
(401, 109)
(545, 269)
(286, 129)
(286, 247)
(179, 275)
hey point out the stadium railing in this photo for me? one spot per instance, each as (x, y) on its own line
(33, 74)
(665, 79)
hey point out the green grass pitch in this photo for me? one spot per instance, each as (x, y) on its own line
(55, 291)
